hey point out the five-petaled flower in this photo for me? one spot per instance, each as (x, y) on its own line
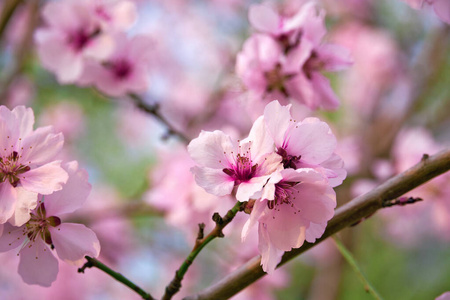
(27, 164)
(45, 232)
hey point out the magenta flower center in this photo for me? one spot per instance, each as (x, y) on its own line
(80, 38)
(11, 168)
(242, 170)
(121, 69)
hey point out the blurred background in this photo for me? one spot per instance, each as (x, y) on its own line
(145, 206)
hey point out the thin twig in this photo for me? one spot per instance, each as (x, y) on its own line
(22, 51)
(154, 111)
(345, 215)
(92, 262)
(175, 285)
(352, 262)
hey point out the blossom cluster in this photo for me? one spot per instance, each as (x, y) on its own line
(85, 42)
(286, 57)
(285, 169)
(35, 190)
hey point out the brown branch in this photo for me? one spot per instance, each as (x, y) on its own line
(174, 286)
(8, 9)
(154, 111)
(346, 215)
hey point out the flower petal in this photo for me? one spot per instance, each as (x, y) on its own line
(313, 140)
(212, 149)
(45, 179)
(37, 264)
(26, 201)
(8, 198)
(263, 18)
(270, 255)
(74, 241)
(214, 181)
(41, 146)
(72, 196)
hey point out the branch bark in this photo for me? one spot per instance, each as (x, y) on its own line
(346, 215)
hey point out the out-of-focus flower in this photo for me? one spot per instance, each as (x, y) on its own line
(27, 164)
(73, 33)
(287, 58)
(66, 117)
(124, 71)
(378, 65)
(45, 232)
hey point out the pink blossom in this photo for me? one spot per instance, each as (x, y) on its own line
(27, 165)
(124, 71)
(73, 33)
(378, 65)
(295, 206)
(45, 232)
(306, 144)
(289, 57)
(224, 164)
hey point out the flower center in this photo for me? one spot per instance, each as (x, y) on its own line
(313, 64)
(38, 225)
(243, 169)
(283, 193)
(289, 161)
(11, 168)
(80, 38)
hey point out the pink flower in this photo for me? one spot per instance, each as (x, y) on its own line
(73, 33)
(45, 232)
(306, 144)
(27, 165)
(295, 206)
(289, 58)
(124, 71)
(224, 164)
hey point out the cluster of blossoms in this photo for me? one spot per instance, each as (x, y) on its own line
(85, 43)
(285, 169)
(35, 191)
(285, 59)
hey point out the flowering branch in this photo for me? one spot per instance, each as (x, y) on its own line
(346, 215)
(154, 110)
(92, 262)
(175, 285)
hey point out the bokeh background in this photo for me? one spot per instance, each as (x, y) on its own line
(144, 205)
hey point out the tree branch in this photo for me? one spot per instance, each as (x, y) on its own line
(154, 110)
(346, 215)
(175, 285)
(92, 262)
